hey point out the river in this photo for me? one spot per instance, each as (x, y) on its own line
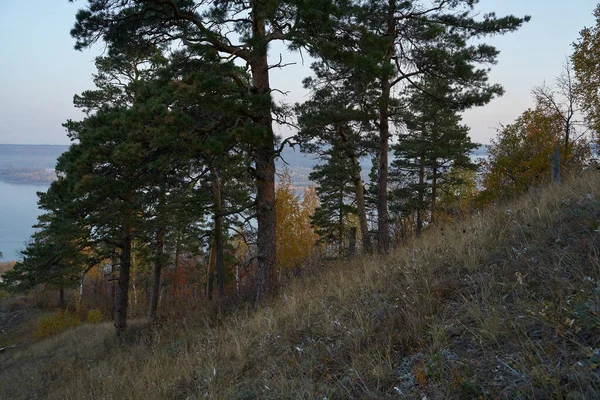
(18, 213)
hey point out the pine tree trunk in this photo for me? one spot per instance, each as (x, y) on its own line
(156, 273)
(383, 221)
(211, 271)
(352, 242)
(362, 211)
(266, 281)
(360, 193)
(61, 298)
(433, 193)
(341, 224)
(383, 226)
(419, 224)
(220, 262)
(123, 283)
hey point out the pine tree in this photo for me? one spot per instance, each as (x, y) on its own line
(434, 142)
(332, 118)
(216, 27)
(59, 253)
(388, 44)
(335, 190)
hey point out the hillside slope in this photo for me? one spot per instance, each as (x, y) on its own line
(503, 305)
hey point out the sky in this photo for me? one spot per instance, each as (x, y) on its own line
(40, 71)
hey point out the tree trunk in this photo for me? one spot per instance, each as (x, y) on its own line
(61, 298)
(556, 165)
(362, 211)
(266, 281)
(158, 266)
(359, 189)
(419, 224)
(433, 193)
(383, 222)
(352, 242)
(80, 295)
(123, 283)
(341, 224)
(211, 271)
(220, 262)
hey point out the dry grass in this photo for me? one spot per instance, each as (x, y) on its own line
(504, 305)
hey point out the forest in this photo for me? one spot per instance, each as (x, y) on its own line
(169, 202)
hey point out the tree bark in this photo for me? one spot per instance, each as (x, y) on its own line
(556, 165)
(266, 281)
(211, 271)
(123, 283)
(61, 298)
(156, 273)
(341, 224)
(359, 189)
(433, 193)
(419, 223)
(383, 221)
(352, 242)
(219, 262)
(383, 224)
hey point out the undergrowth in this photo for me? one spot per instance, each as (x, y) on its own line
(503, 305)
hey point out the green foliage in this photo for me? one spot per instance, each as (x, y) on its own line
(434, 143)
(335, 190)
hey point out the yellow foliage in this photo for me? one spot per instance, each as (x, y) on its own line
(54, 323)
(519, 157)
(95, 316)
(295, 236)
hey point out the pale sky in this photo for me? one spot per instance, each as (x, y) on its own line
(40, 72)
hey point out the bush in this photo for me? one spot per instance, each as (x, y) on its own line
(95, 316)
(54, 323)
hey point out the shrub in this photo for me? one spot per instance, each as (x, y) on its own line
(54, 323)
(95, 316)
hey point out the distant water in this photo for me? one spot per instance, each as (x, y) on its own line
(18, 202)
(18, 213)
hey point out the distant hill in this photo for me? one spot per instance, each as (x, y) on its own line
(29, 164)
(301, 164)
(20, 163)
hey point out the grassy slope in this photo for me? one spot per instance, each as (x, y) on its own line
(504, 305)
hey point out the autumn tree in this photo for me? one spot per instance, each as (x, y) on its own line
(519, 156)
(296, 238)
(563, 99)
(586, 65)
(458, 198)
